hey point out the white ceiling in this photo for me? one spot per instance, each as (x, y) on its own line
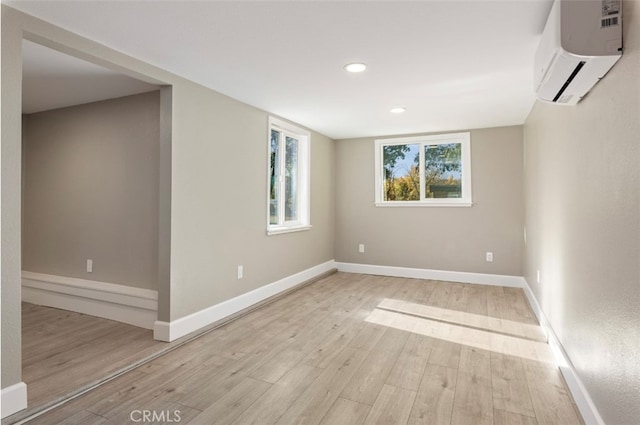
(452, 64)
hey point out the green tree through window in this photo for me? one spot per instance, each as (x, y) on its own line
(427, 170)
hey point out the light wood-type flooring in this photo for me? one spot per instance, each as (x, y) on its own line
(350, 349)
(63, 351)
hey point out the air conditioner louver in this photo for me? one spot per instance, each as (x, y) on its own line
(581, 41)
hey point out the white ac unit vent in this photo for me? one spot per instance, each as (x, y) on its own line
(582, 40)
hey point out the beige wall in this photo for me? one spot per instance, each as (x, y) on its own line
(218, 189)
(452, 239)
(219, 203)
(583, 228)
(91, 191)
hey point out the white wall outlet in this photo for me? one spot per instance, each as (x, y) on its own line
(89, 266)
(538, 276)
(489, 257)
(361, 248)
(240, 272)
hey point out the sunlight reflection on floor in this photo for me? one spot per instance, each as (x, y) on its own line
(518, 329)
(491, 339)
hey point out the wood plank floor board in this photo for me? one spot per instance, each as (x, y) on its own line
(425, 290)
(472, 404)
(220, 380)
(275, 315)
(475, 361)
(223, 339)
(279, 364)
(458, 297)
(66, 331)
(69, 415)
(409, 368)
(346, 412)
(66, 335)
(476, 296)
(545, 373)
(434, 400)
(83, 417)
(177, 389)
(496, 302)
(277, 399)
(283, 358)
(501, 417)
(445, 353)
(518, 307)
(316, 401)
(251, 342)
(231, 405)
(163, 379)
(97, 353)
(379, 289)
(86, 401)
(407, 289)
(433, 353)
(75, 371)
(366, 384)
(197, 350)
(76, 350)
(323, 354)
(391, 407)
(296, 321)
(440, 296)
(39, 319)
(551, 400)
(509, 384)
(368, 337)
(353, 299)
(147, 387)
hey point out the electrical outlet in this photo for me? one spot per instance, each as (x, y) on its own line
(361, 248)
(489, 257)
(89, 266)
(240, 272)
(538, 276)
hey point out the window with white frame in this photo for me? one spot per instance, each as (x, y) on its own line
(424, 171)
(288, 179)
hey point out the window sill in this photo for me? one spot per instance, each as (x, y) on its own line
(404, 204)
(289, 229)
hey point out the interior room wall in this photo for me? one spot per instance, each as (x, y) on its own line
(440, 238)
(583, 228)
(218, 188)
(219, 199)
(91, 191)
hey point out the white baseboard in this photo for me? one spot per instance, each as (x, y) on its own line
(170, 331)
(135, 306)
(449, 276)
(580, 395)
(14, 399)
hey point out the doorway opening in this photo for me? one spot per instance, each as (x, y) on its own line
(95, 228)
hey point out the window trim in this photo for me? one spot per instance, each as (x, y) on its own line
(304, 176)
(463, 138)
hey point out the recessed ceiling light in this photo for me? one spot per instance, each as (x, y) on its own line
(355, 67)
(398, 110)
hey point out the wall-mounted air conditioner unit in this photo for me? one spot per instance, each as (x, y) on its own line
(582, 40)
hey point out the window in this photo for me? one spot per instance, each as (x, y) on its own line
(288, 191)
(424, 171)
